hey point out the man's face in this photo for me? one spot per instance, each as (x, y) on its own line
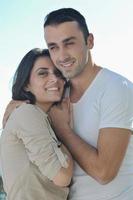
(67, 48)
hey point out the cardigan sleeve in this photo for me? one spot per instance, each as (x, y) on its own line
(39, 140)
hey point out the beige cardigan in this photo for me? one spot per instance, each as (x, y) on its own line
(30, 156)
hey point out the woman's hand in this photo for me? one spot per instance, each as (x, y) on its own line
(61, 116)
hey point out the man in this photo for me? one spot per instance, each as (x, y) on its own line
(100, 140)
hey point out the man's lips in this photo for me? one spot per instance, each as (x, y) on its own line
(67, 64)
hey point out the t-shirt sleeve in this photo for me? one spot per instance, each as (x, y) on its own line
(41, 147)
(117, 106)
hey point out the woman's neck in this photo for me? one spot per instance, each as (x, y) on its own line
(45, 107)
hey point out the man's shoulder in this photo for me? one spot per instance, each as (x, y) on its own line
(115, 79)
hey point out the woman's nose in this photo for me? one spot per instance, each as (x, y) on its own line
(52, 77)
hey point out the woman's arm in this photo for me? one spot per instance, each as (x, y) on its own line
(42, 149)
(63, 177)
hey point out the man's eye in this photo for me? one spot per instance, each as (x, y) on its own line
(52, 48)
(70, 43)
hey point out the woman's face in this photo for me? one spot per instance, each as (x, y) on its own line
(45, 83)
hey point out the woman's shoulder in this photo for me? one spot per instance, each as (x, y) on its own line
(28, 111)
(27, 115)
(24, 108)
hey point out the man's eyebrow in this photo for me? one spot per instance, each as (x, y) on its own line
(68, 39)
(64, 41)
(51, 44)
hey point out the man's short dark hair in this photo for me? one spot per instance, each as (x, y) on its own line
(67, 15)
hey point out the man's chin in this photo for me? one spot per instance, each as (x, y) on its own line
(68, 75)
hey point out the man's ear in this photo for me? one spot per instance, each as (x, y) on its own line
(90, 41)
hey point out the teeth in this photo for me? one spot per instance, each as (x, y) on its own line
(67, 64)
(52, 89)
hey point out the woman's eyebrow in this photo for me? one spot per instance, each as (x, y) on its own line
(42, 68)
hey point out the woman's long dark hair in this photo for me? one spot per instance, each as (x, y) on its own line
(22, 75)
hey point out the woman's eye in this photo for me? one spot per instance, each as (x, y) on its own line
(58, 74)
(43, 73)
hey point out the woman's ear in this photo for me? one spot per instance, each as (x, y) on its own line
(26, 88)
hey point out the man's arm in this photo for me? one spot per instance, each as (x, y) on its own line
(103, 162)
(9, 109)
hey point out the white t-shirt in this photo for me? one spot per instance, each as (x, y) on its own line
(108, 102)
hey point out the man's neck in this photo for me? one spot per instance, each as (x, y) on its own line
(80, 83)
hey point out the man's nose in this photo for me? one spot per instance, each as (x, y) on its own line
(63, 55)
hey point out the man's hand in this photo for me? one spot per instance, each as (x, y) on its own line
(9, 109)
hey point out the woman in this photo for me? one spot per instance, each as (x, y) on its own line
(35, 165)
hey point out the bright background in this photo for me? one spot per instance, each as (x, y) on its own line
(21, 29)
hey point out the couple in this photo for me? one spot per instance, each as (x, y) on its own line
(100, 137)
